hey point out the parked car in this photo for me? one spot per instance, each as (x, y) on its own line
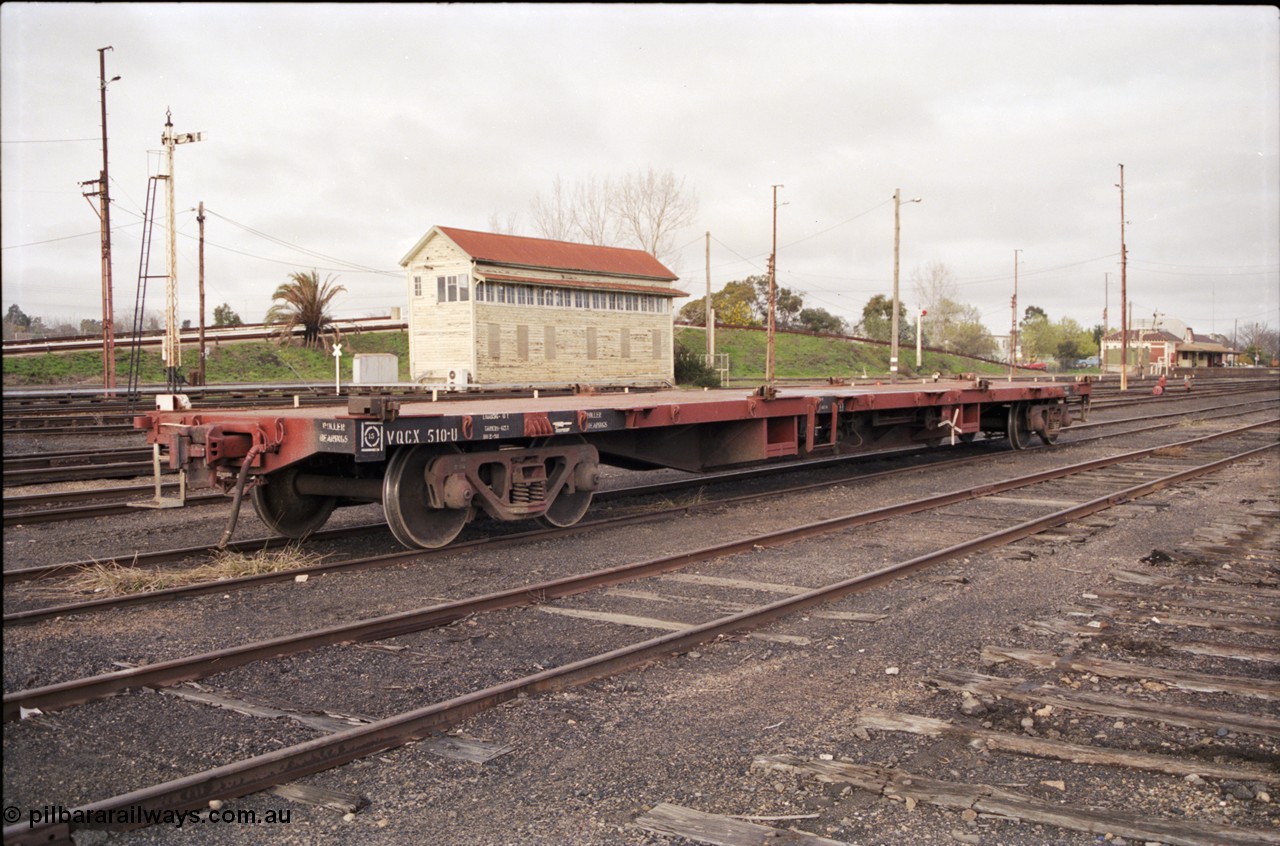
(1036, 365)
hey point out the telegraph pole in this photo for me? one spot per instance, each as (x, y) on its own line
(1124, 319)
(103, 194)
(897, 229)
(172, 336)
(773, 294)
(200, 220)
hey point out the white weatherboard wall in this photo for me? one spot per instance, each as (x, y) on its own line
(440, 333)
(564, 327)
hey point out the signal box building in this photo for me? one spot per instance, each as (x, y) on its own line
(497, 310)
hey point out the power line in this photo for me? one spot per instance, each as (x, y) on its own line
(49, 241)
(351, 265)
(50, 141)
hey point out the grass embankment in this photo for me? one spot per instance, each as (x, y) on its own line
(808, 357)
(228, 363)
(796, 357)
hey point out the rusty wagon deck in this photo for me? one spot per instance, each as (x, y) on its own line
(434, 464)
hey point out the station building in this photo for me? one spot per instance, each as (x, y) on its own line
(494, 310)
(1153, 351)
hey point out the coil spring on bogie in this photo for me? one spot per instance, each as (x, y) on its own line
(528, 492)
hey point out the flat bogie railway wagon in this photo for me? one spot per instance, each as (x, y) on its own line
(434, 465)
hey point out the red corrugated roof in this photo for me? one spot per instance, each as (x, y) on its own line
(1143, 335)
(556, 255)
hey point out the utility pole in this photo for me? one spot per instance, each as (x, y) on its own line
(709, 312)
(172, 336)
(103, 194)
(200, 220)
(1124, 294)
(1013, 331)
(897, 230)
(773, 294)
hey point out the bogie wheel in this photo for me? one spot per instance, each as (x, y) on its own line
(566, 510)
(568, 507)
(287, 512)
(1017, 426)
(1049, 434)
(407, 506)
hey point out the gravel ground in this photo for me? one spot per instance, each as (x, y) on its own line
(583, 764)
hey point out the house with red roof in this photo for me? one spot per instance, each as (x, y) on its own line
(506, 310)
(1153, 351)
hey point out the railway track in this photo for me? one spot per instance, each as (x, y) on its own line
(1096, 488)
(1131, 659)
(930, 460)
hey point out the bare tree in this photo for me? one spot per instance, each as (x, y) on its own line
(553, 216)
(1258, 341)
(509, 226)
(933, 283)
(644, 210)
(652, 207)
(593, 212)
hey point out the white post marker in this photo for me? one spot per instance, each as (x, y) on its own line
(337, 369)
(919, 324)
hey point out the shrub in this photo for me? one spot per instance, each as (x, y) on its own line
(692, 370)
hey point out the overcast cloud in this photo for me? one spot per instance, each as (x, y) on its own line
(350, 130)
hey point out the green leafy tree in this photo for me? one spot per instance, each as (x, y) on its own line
(877, 320)
(1036, 336)
(1074, 342)
(958, 328)
(17, 317)
(734, 305)
(304, 301)
(787, 304)
(821, 320)
(736, 313)
(224, 316)
(1034, 313)
(1064, 340)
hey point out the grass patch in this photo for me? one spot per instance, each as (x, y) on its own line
(227, 363)
(114, 579)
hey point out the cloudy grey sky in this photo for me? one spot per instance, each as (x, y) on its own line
(337, 135)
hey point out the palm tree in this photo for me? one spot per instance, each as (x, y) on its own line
(304, 302)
